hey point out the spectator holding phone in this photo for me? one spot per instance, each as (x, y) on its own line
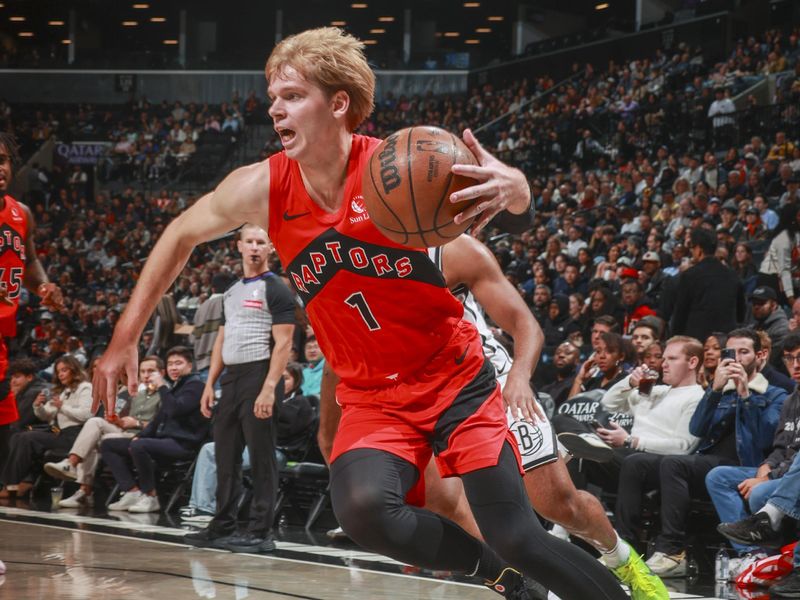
(735, 421)
(735, 489)
(85, 452)
(67, 409)
(661, 417)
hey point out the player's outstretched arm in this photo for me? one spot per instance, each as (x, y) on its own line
(241, 197)
(468, 261)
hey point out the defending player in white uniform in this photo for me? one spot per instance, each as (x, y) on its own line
(537, 442)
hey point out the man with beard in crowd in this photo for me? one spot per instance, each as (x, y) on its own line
(565, 361)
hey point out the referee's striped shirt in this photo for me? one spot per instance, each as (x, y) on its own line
(251, 306)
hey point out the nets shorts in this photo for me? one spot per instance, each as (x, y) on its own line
(536, 442)
(452, 409)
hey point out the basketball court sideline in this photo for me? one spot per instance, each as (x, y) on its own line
(75, 556)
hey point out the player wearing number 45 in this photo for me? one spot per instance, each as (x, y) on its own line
(19, 266)
(413, 376)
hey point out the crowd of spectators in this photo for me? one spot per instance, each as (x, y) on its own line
(638, 181)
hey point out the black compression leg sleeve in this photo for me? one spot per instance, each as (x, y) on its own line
(368, 489)
(504, 514)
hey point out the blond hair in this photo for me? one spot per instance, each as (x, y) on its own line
(691, 346)
(332, 59)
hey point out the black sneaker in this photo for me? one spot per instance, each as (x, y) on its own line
(248, 542)
(788, 587)
(206, 538)
(755, 530)
(587, 445)
(514, 586)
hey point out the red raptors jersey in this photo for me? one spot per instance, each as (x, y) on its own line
(13, 230)
(379, 310)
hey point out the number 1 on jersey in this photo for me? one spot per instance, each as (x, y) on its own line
(356, 300)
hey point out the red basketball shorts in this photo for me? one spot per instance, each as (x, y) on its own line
(452, 409)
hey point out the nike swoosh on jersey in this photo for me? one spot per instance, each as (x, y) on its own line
(288, 217)
(461, 358)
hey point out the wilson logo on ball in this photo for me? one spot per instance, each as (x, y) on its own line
(390, 176)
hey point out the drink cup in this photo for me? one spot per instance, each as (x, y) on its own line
(647, 381)
(56, 493)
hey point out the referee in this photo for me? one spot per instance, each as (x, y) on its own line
(253, 347)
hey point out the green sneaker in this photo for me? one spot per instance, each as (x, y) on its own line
(644, 584)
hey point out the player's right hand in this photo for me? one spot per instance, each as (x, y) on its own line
(207, 401)
(118, 358)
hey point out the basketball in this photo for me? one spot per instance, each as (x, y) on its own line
(408, 183)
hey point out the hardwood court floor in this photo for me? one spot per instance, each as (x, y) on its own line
(46, 562)
(69, 556)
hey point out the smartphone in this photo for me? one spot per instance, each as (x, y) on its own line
(46, 392)
(596, 424)
(728, 353)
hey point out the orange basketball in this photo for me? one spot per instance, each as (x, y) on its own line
(408, 183)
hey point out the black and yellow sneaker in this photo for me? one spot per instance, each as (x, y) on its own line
(513, 585)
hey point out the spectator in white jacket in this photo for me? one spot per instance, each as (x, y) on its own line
(660, 419)
(67, 407)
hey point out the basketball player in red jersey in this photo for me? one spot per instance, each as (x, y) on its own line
(414, 380)
(19, 266)
(473, 275)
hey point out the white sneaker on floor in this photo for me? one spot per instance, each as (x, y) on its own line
(337, 534)
(145, 504)
(195, 515)
(128, 499)
(668, 565)
(737, 565)
(62, 469)
(78, 499)
(2, 568)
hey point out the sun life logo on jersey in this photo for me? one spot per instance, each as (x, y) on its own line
(358, 207)
(15, 215)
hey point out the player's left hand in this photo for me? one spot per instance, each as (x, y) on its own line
(519, 398)
(52, 299)
(500, 187)
(265, 401)
(614, 435)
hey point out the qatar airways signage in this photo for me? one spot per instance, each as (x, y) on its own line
(81, 153)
